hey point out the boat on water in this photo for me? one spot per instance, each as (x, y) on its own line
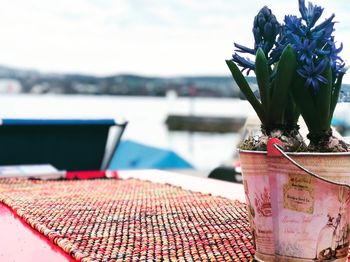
(134, 155)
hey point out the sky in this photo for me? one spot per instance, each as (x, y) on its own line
(147, 37)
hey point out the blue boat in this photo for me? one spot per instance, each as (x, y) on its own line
(134, 155)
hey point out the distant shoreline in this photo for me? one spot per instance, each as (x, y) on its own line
(14, 80)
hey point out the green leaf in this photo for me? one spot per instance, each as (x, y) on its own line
(322, 100)
(292, 112)
(335, 96)
(303, 98)
(246, 90)
(284, 77)
(263, 78)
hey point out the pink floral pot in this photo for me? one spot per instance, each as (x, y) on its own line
(294, 215)
(256, 183)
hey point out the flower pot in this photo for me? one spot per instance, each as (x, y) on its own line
(257, 190)
(296, 215)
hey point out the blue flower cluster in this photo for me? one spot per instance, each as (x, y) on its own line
(265, 30)
(313, 44)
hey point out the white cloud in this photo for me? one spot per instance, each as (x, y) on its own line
(153, 37)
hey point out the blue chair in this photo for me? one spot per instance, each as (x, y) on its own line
(66, 144)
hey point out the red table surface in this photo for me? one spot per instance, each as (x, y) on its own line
(19, 242)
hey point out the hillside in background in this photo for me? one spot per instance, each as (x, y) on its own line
(14, 80)
(30, 81)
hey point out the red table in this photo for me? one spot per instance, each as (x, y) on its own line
(19, 242)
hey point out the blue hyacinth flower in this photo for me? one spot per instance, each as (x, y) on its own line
(313, 74)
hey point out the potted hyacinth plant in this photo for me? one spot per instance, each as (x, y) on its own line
(274, 69)
(319, 74)
(299, 71)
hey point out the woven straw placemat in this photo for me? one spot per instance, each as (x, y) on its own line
(131, 220)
